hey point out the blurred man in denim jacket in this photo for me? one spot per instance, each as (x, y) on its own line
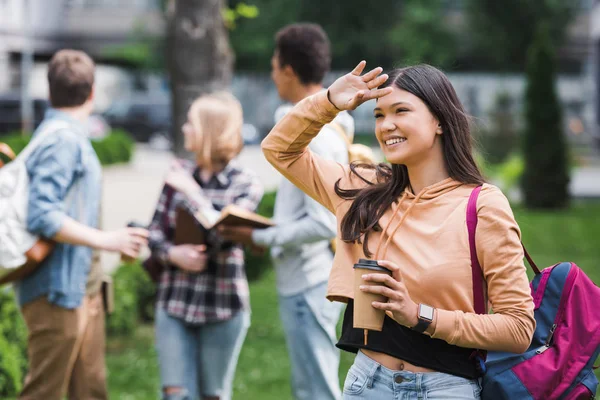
(61, 301)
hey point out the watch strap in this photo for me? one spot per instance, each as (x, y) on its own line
(423, 323)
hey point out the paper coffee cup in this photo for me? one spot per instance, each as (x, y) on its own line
(365, 315)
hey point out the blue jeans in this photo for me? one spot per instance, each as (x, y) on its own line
(201, 360)
(368, 380)
(309, 322)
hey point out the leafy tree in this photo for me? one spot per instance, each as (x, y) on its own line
(422, 36)
(545, 179)
(356, 30)
(500, 32)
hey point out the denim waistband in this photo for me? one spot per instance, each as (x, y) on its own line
(410, 380)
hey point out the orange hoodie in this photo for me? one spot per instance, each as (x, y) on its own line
(429, 239)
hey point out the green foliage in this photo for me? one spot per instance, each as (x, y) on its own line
(241, 10)
(137, 54)
(494, 35)
(355, 30)
(13, 345)
(114, 148)
(141, 50)
(546, 177)
(421, 36)
(501, 139)
(16, 141)
(117, 147)
(134, 299)
(10, 374)
(501, 31)
(266, 207)
(505, 175)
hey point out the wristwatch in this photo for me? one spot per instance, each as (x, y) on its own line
(425, 316)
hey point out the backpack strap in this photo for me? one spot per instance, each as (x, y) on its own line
(45, 129)
(476, 272)
(340, 131)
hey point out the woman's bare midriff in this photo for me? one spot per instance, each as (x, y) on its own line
(393, 363)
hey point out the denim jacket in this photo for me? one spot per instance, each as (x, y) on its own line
(64, 161)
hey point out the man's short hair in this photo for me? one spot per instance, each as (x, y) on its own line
(305, 48)
(70, 78)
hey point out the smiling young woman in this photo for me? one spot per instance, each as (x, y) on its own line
(414, 210)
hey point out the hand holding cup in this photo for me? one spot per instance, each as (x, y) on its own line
(394, 294)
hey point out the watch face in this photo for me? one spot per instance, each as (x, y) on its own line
(426, 312)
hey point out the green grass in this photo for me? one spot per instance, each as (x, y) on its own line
(132, 366)
(263, 369)
(556, 236)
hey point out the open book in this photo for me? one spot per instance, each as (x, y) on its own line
(231, 215)
(186, 228)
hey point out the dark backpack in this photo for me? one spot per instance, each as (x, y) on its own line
(559, 363)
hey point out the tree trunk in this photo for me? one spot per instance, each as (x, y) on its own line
(199, 57)
(545, 181)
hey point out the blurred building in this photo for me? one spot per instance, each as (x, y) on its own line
(110, 29)
(99, 27)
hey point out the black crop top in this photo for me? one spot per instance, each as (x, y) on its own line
(406, 344)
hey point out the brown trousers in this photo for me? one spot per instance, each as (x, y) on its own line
(65, 350)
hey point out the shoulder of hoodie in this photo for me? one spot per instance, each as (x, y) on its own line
(492, 200)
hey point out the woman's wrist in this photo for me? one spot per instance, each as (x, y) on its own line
(169, 254)
(431, 328)
(329, 99)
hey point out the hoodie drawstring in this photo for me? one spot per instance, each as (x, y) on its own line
(388, 225)
(402, 219)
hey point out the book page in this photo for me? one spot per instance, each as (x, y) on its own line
(207, 216)
(233, 215)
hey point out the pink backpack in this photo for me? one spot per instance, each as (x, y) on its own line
(559, 364)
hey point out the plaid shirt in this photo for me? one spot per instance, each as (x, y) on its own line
(221, 290)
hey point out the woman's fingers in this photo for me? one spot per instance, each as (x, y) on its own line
(200, 248)
(384, 306)
(138, 241)
(385, 279)
(359, 68)
(376, 94)
(372, 74)
(139, 232)
(382, 290)
(363, 96)
(198, 264)
(396, 273)
(377, 81)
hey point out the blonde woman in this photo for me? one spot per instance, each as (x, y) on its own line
(202, 310)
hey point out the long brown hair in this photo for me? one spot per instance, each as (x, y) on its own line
(370, 203)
